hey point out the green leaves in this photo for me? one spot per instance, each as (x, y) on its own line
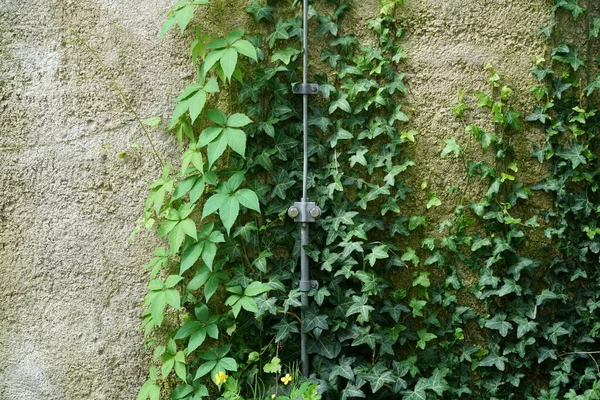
(573, 154)
(225, 133)
(158, 191)
(451, 148)
(198, 330)
(193, 98)
(162, 293)
(181, 13)
(259, 11)
(424, 337)
(239, 299)
(500, 324)
(359, 306)
(215, 362)
(379, 289)
(568, 54)
(205, 247)
(178, 225)
(226, 51)
(524, 326)
(494, 359)
(228, 198)
(151, 388)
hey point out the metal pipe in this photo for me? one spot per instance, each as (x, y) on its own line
(304, 232)
(305, 97)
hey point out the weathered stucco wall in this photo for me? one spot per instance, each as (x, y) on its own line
(71, 287)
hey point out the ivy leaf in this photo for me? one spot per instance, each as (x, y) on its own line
(259, 11)
(569, 57)
(500, 324)
(285, 55)
(416, 221)
(541, 73)
(422, 280)
(574, 7)
(378, 376)
(539, 114)
(555, 331)
(418, 393)
(284, 329)
(483, 100)
(417, 307)
(351, 391)
(273, 366)
(341, 103)
(397, 84)
(325, 345)
(544, 353)
(319, 120)
(433, 200)
(312, 320)
(343, 368)
(280, 33)
(326, 25)
(436, 381)
(560, 87)
(397, 115)
(283, 181)
(424, 337)
(524, 326)
(359, 306)
(451, 147)
(363, 336)
(494, 359)
(378, 253)
(573, 154)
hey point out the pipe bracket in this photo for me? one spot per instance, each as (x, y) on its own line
(306, 286)
(304, 211)
(305, 88)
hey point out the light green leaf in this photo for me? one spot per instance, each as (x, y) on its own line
(273, 366)
(212, 58)
(229, 61)
(213, 204)
(248, 199)
(238, 120)
(246, 48)
(228, 211)
(256, 288)
(196, 104)
(451, 147)
(152, 121)
(236, 139)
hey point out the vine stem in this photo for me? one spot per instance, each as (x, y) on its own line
(588, 353)
(118, 89)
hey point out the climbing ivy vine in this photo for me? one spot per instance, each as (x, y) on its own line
(408, 307)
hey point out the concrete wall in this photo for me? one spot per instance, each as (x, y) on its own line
(71, 286)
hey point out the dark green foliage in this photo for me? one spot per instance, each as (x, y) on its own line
(496, 301)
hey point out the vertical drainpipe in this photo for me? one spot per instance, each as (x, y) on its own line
(304, 211)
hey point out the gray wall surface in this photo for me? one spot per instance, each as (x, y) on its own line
(71, 286)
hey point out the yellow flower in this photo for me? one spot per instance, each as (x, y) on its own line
(273, 396)
(286, 379)
(221, 377)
